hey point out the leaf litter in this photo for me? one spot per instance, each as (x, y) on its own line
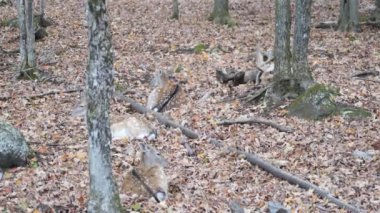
(145, 40)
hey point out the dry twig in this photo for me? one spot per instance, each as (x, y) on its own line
(257, 120)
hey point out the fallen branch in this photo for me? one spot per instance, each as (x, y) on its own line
(9, 51)
(256, 120)
(251, 158)
(327, 25)
(53, 92)
(371, 80)
(365, 74)
(279, 173)
(160, 117)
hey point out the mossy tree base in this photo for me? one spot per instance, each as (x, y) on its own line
(317, 103)
(28, 73)
(223, 19)
(284, 88)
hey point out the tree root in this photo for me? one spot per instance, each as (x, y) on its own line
(257, 120)
(255, 94)
(250, 157)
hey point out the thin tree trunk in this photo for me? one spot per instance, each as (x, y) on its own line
(300, 63)
(175, 14)
(104, 196)
(348, 16)
(22, 26)
(282, 38)
(30, 34)
(42, 9)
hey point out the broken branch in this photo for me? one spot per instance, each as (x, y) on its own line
(365, 74)
(257, 120)
(160, 117)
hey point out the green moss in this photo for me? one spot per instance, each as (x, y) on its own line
(318, 102)
(199, 48)
(351, 38)
(179, 68)
(353, 113)
(136, 207)
(29, 73)
(13, 22)
(315, 103)
(119, 87)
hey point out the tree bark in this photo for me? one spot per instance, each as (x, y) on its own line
(282, 54)
(175, 14)
(348, 16)
(300, 63)
(292, 74)
(42, 9)
(375, 17)
(30, 34)
(220, 13)
(282, 38)
(104, 196)
(28, 68)
(22, 27)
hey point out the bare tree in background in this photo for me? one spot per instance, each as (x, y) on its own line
(104, 195)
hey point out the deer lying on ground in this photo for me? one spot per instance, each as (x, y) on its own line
(164, 94)
(148, 179)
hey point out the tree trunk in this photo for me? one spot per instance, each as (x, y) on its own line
(22, 27)
(175, 14)
(292, 74)
(42, 9)
(220, 13)
(28, 67)
(282, 67)
(104, 196)
(348, 16)
(30, 34)
(300, 64)
(375, 17)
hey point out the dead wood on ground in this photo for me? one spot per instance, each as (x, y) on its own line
(256, 120)
(250, 157)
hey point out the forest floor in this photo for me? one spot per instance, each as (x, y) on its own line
(146, 40)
